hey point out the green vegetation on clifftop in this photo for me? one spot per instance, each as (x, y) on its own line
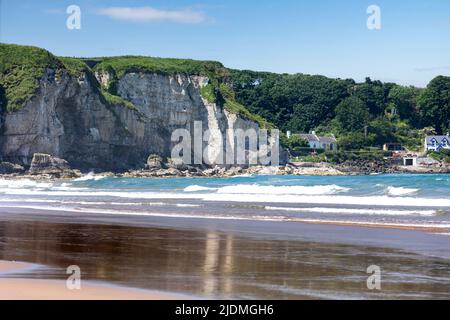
(74, 66)
(21, 68)
(125, 64)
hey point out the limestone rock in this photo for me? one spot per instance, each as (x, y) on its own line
(154, 162)
(69, 119)
(176, 164)
(45, 164)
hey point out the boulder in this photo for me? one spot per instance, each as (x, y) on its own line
(154, 162)
(45, 164)
(233, 171)
(10, 168)
(176, 164)
(212, 171)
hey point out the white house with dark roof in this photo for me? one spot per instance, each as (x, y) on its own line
(437, 143)
(317, 142)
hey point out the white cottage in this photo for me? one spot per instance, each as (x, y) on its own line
(437, 143)
(320, 143)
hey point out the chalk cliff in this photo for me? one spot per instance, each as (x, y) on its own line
(70, 116)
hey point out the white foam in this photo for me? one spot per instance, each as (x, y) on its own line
(23, 183)
(381, 224)
(116, 194)
(90, 176)
(196, 188)
(186, 205)
(132, 213)
(93, 203)
(67, 188)
(225, 217)
(356, 211)
(336, 200)
(245, 175)
(234, 196)
(400, 191)
(282, 190)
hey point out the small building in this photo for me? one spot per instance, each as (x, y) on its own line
(437, 143)
(393, 147)
(410, 161)
(319, 143)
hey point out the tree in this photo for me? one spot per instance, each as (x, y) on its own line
(296, 143)
(405, 101)
(352, 114)
(374, 94)
(292, 102)
(434, 104)
(354, 141)
(2, 99)
(383, 131)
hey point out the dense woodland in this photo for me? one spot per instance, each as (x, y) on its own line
(360, 115)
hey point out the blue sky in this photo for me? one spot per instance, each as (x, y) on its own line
(327, 37)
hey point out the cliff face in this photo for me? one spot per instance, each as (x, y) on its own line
(68, 117)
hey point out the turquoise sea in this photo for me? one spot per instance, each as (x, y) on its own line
(393, 200)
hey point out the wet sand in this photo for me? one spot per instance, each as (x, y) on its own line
(14, 267)
(212, 262)
(44, 289)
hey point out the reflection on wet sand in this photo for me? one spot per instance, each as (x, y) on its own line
(221, 265)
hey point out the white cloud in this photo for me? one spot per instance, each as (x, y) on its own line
(149, 14)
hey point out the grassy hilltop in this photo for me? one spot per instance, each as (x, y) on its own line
(21, 68)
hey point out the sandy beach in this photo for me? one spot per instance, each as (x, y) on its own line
(229, 260)
(13, 267)
(45, 289)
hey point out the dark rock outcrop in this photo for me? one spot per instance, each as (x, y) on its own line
(367, 166)
(44, 164)
(154, 162)
(10, 168)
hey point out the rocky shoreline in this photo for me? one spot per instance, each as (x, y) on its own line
(46, 167)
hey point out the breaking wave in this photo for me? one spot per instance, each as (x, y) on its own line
(23, 183)
(196, 188)
(90, 176)
(400, 191)
(282, 190)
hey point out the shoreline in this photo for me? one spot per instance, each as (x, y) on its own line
(425, 241)
(257, 171)
(12, 288)
(376, 225)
